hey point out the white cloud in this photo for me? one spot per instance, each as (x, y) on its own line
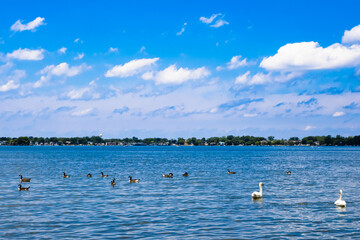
(78, 93)
(250, 114)
(351, 36)
(243, 78)
(311, 56)
(85, 93)
(111, 49)
(172, 75)
(182, 30)
(142, 49)
(26, 54)
(210, 19)
(307, 128)
(10, 85)
(79, 56)
(78, 40)
(62, 69)
(131, 68)
(83, 112)
(19, 27)
(338, 114)
(62, 50)
(219, 23)
(236, 62)
(6, 67)
(262, 78)
(12, 81)
(65, 70)
(219, 68)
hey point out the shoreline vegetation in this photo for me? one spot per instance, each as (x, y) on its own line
(212, 141)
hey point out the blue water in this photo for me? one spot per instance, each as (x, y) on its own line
(209, 204)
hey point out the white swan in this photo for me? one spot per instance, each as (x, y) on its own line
(256, 195)
(340, 202)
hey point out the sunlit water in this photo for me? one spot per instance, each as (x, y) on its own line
(209, 204)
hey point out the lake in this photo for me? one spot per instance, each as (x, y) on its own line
(209, 204)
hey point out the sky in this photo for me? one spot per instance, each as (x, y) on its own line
(179, 68)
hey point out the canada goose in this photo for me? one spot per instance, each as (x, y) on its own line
(340, 202)
(23, 188)
(113, 183)
(170, 175)
(257, 195)
(133, 180)
(24, 179)
(185, 174)
(288, 172)
(66, 176)
(229, 172)
(102, 175)
(89, 175)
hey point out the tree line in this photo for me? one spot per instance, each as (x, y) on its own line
(212, 141)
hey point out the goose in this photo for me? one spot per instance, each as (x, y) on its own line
(23, 188)
(340, 202)
(102, 175)
(185, 174)
(113, 183)
(257, 195)
(288, 172)
(24, 179)
(229, 172)
(89, 175)
(66, 176)
(133, 180)
(170, 175)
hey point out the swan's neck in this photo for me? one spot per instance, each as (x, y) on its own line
(260, 189)
(340, 196)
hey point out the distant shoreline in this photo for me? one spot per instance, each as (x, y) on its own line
(229, 140)
(125, 146)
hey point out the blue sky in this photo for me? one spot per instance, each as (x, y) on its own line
(179, 68)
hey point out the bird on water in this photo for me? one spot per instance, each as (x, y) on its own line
(257, 195)
(131, 180)
(340, 202)
(24, 179)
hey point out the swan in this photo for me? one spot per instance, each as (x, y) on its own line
(229, 172)
(340, 202)
(131, 180)
(24, 179)
(256, 195)
(66, 176)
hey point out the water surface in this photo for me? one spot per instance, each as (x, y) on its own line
(209, 204)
